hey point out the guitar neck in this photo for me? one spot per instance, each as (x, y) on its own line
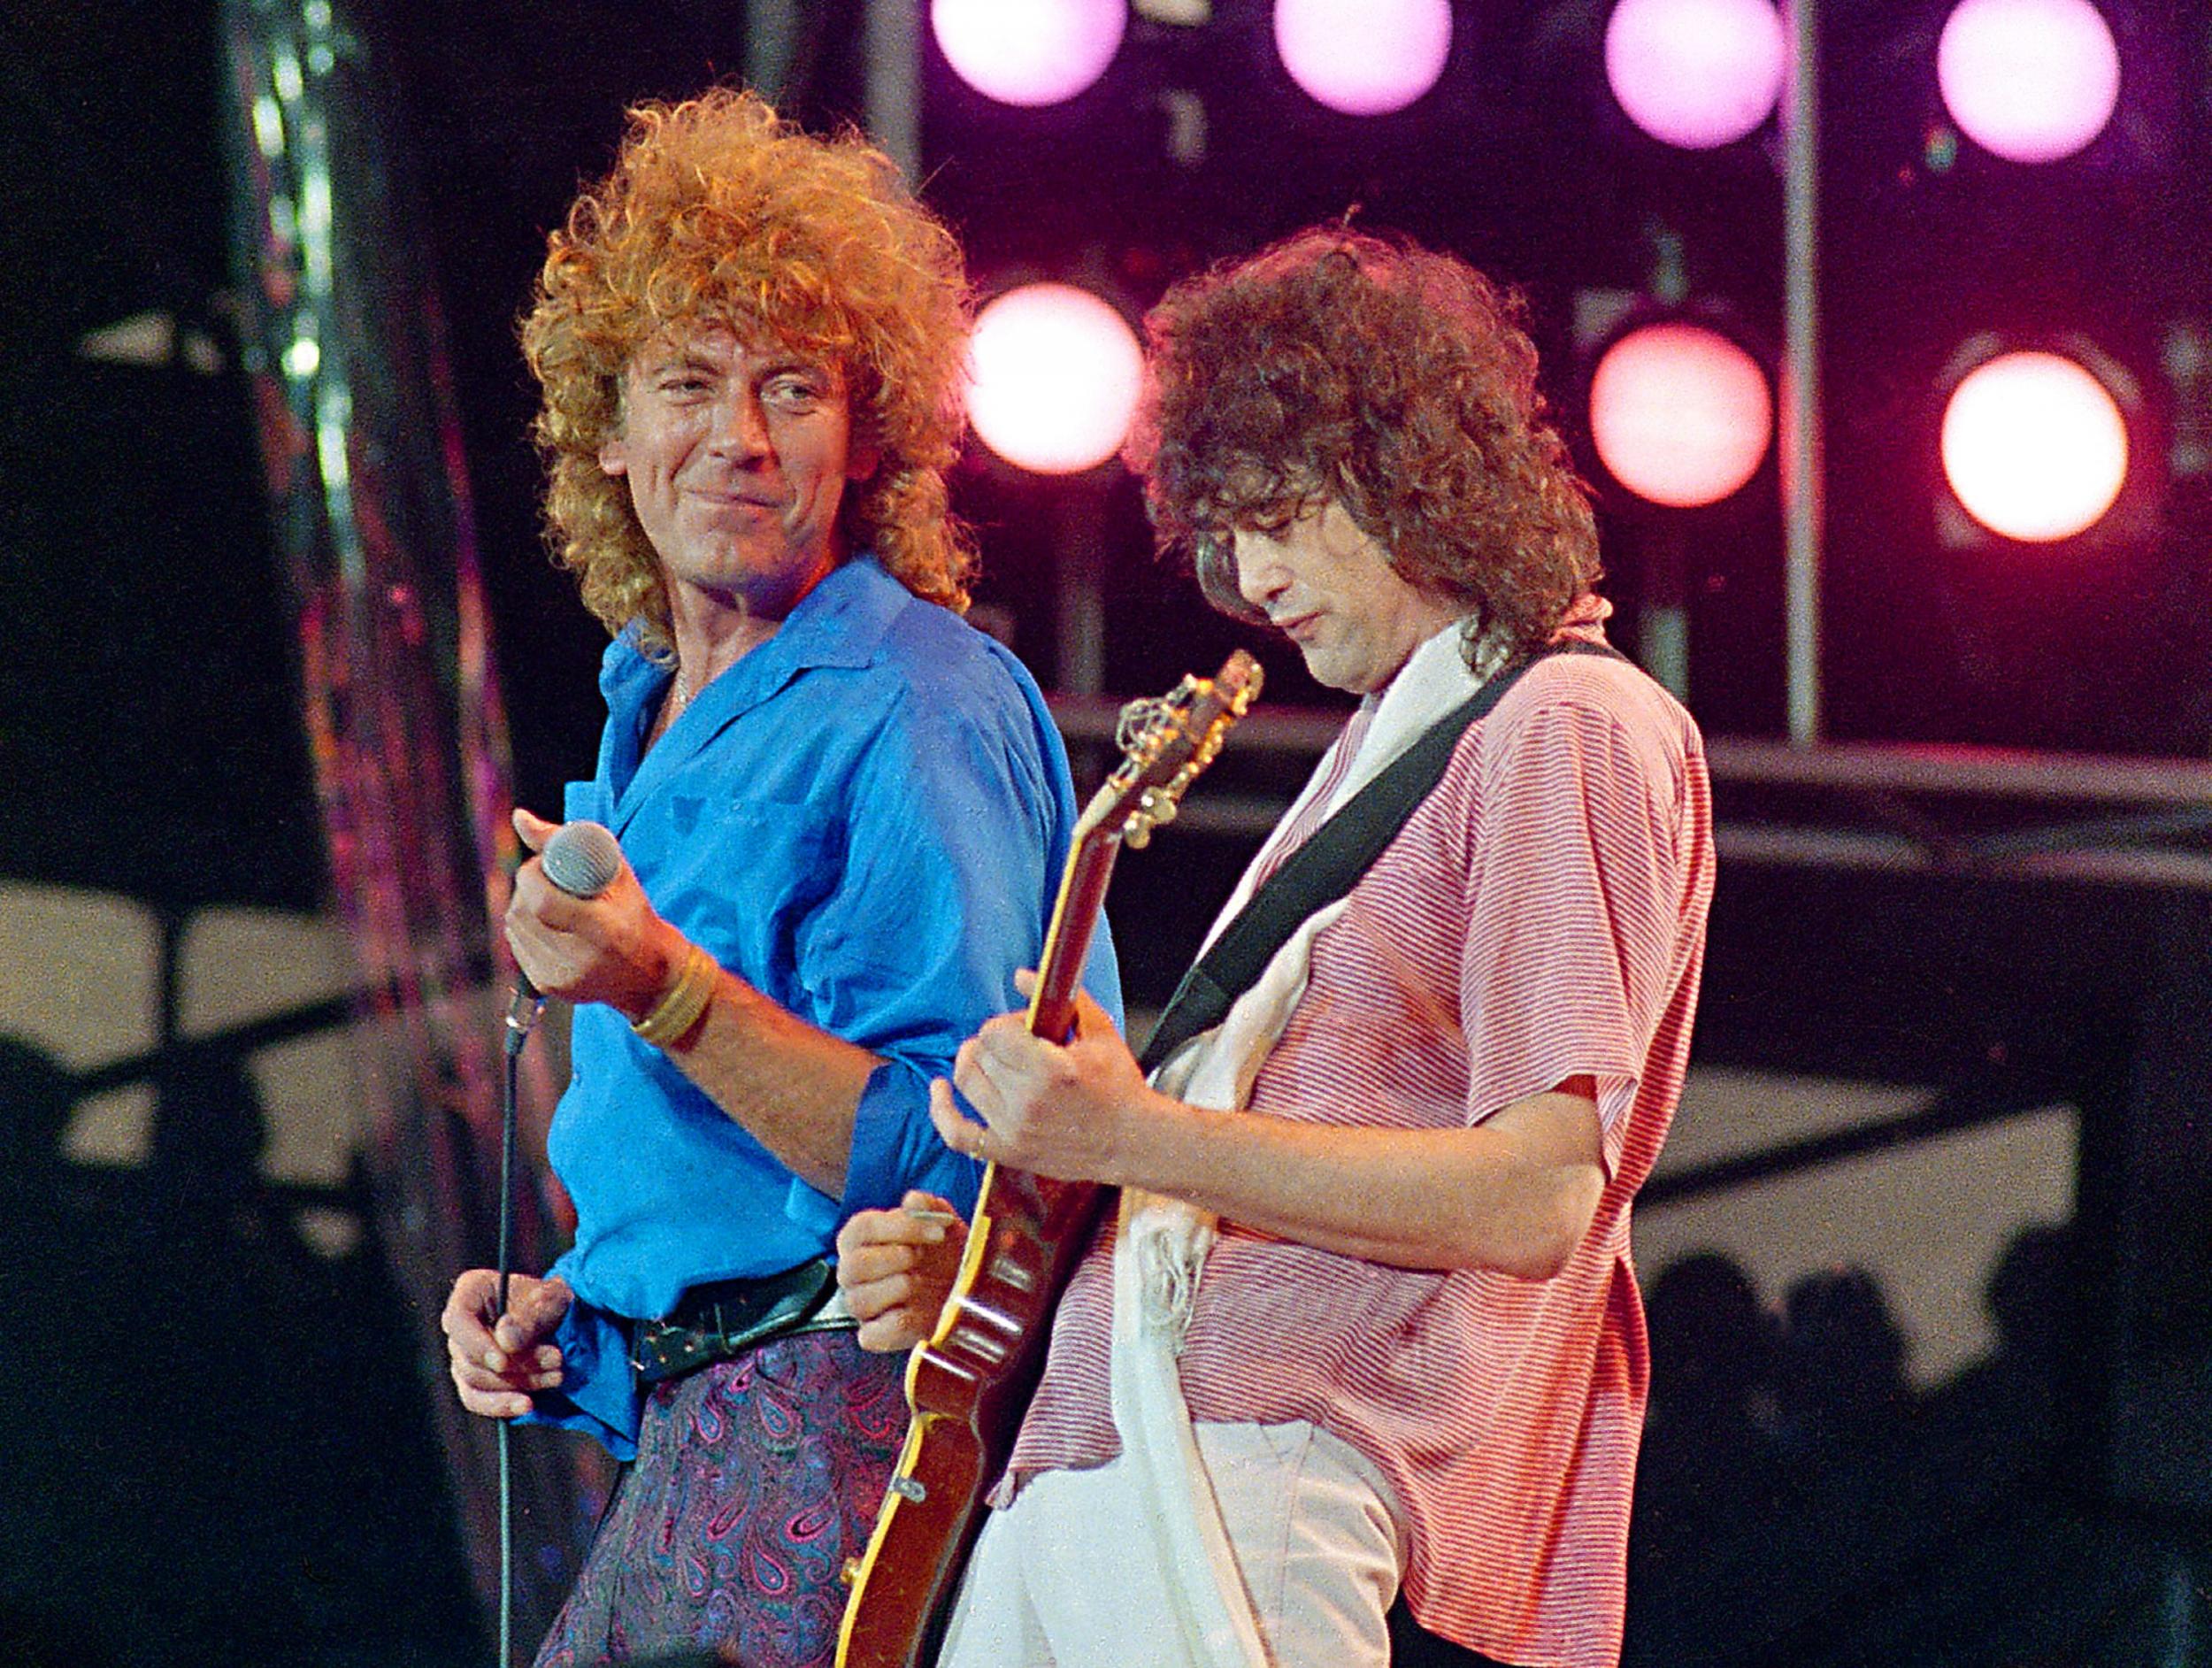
(1074, 921)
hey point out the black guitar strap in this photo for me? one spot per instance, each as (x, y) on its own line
(1329, 864)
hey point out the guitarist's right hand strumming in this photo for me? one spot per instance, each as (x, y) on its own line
(897, 1268)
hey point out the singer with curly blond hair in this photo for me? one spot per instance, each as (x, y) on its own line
(839, 807)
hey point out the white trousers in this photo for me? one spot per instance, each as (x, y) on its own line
(1068, 1576)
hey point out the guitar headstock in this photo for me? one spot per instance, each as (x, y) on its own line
(1166, 742)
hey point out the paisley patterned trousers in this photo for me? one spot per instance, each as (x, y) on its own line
(755, 1481)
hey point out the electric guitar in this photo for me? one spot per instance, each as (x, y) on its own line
(968, 1384)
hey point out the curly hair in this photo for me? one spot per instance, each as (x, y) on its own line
(718, 211)
(1393, 379)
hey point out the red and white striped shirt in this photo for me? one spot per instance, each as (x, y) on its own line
(1540, 916)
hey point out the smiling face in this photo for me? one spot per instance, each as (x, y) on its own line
(1331, 590)
(737, 456)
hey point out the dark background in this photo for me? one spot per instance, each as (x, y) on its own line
(217, 1446)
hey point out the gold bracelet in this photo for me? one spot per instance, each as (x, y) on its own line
(681, 1004)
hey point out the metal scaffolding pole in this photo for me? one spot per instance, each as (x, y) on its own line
(1803, 466)
(894, 82)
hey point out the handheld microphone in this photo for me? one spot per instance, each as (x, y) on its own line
(582, 859)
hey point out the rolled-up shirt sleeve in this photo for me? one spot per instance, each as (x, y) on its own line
(1576, 887)
(949, 863)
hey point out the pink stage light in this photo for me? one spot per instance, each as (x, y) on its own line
(1057, 373)
(1695, 73)
(2034, 446)
(2032, 80)
(1365, 57)
(1029, 52)
(1681, 415)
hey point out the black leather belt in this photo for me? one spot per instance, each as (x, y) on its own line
(719, 1320)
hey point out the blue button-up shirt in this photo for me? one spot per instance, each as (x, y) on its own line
(865, 818)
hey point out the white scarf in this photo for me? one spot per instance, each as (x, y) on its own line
(1161, 1243)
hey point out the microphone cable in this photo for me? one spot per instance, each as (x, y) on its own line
(517, 1034)
(582, 859)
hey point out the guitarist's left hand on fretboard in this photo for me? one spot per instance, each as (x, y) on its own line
(1072, 1111)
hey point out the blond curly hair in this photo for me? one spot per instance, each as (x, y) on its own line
(718, 211)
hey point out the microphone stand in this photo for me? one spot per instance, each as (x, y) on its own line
(582, 859)
(522, 1018)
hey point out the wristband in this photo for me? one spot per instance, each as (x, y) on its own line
(681, 1004)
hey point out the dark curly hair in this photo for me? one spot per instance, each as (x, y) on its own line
(1395, 381)
(718, 211)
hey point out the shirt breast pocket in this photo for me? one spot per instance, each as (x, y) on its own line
(775, 841)
(740, 878)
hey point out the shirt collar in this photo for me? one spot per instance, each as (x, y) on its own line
(1437, 671)
(838, 623)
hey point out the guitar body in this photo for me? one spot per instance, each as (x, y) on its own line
(969, 1382)
(968, 1386)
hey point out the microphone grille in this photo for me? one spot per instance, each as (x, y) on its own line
(582, 858)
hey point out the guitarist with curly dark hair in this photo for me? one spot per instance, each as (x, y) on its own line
(1362, 1327)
